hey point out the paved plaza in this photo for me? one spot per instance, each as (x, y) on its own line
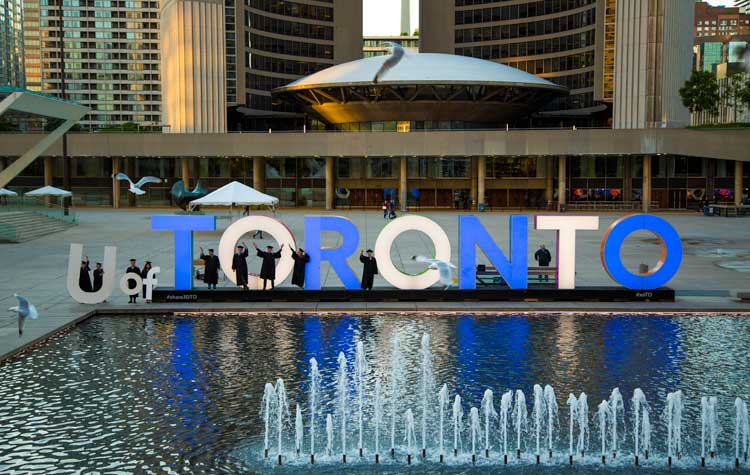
(37, 268)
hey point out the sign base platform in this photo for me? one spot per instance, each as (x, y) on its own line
(535, 293)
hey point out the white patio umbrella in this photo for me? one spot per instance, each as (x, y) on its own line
(236, 194)
(6, 192)
(50, 191)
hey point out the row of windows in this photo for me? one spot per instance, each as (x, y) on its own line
(283, 66)
(105, 86)
(72, 65)
(98, 106)
(289, 28)
(297, 10)
(526, 30)
(550, 6)
(120, 118)
(575, 81)
(533, 48)
(116, 97)
(574, 101)
(518, 12)
(102, 55)
(536, 66)
(293, 48)
(265, 83)
(98, 76)
(101, 3)
(133, 15)
(125, 35)
(122, 25)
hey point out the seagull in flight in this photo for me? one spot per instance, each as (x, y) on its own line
(444, 268)
(397, 54)
(135, 188)
(23, 309)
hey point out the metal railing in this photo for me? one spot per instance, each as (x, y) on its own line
(38, 206)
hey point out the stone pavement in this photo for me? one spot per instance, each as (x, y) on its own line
(37, 268)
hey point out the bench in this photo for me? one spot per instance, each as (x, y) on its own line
(488, 275)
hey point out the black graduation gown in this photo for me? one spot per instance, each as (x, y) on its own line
(98, 279)
(239, 266)
(268, 267)
(132, 270)
(144, 274)
(211, 269)
(369, 270)
(84, 279)
(298, 277)
(543, 257)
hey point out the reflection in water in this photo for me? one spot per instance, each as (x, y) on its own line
(160, 394)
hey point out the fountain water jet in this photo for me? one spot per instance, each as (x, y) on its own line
(520, 418)
(551, 405)
(674, 425)
(329, 435)
(573, 409)
(360, 376)
(488, 408)
(582, 412)
(602, 414)
(410, 438)
(537, 413)
(314, 395)
(616, 411)
(640, 406)
(396, 387)
(458, 417)
(282, 413)
(443, 406)
(709, 426)
(475, 427)
(269, 399)
(299, 430)
(505, 402)
(378, 416)
(741, 430)
(427, 386)
(342, 389)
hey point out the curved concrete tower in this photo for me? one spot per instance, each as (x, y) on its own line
(193, 66)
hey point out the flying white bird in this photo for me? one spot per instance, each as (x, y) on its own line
(135, 188)
(397, 53)
(444, 268)
(23, 309)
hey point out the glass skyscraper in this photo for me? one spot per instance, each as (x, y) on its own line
(11, 43)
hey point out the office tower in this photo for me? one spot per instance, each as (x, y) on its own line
(652, 63)
(110, 57)
(406, 17)
(11, 43)
(720, 21)
(193, 66)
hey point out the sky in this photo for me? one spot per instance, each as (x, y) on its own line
(720, 3)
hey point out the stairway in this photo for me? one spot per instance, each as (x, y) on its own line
(21, 226)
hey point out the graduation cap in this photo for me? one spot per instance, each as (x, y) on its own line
(239, 246)
(98, 263)
(148, 262)
(269, 247)
(132, 260)
(369, 251)
(210, 250)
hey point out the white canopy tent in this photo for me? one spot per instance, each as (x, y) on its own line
(6, 192)
(49, 191)
(236, 194)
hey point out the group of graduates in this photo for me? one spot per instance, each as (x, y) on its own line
(84, 277)
(268, 266)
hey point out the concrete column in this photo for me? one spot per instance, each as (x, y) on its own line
(47, 177)
(402, 183)
(562, 178)
(259, 174)
(131, 174)
(330, 183)
(549, 180)
(473, 181)
(115, 182)
(738, 182)
(481, 178)
(185, 164)
(627, 179)
(646, 188)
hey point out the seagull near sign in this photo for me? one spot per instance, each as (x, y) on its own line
(135, 188)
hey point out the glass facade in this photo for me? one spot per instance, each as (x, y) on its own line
(711, 54)
(11, 43)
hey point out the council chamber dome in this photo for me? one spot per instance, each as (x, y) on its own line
(421, 88)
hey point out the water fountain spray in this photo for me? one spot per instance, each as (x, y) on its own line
(616, 411)
(282, 413)
(266, 407)
(426, 386)
(443, 406)
(360, 377)
(537, 414)
(674, 425)
(573, 409)
(640, 406)
(488, 409)
(410, 438)
(329, 435)
(475, 427)
(741, 430)
(314, 396)
(396, 387)
(378, 416)
(505, 402)
(582, 413)
(520, 419)
(709, 426)
(458, 418)
(646, 434)
(342, 389)
(602, 414)
(299, 430)
(552, 422)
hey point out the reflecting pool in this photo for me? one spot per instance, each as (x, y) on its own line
(163, 394)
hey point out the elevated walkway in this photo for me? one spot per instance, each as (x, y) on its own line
(22, 226)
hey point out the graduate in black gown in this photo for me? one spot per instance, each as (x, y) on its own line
(98, 277)
(144, 273)
(239, 265)
(210, 268)
(268, 267)
(84, 278)
(300, 261)
(132, 269)
(369, 269)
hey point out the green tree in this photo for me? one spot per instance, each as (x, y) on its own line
(700, 93)
(743, 91)
(736, 91)
(416, 32)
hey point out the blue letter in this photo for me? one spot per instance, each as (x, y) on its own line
(471, 234)
(183, 227)
(665, 269)
(336, 256)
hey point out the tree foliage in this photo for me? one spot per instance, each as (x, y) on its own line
(700, 93)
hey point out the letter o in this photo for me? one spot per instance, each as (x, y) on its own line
(662, 272)
(124, 283)
(278, 230)
(388, 235)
